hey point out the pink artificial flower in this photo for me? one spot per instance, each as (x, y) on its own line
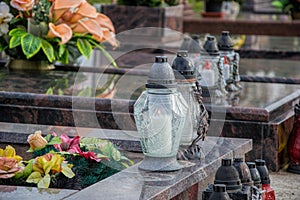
(70, 145)
(90, 155)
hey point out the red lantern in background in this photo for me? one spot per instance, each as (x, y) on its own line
(294, 143)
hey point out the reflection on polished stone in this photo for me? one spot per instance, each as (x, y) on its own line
(29, 193)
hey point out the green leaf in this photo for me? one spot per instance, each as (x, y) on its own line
(50, 91)
(67, 171)
(14, 42)
(44, 182)
(111, 151)
(18, 175)
(30, 150)
(48, 50)
(92, 141)
(277, 4)
(60, 92)
(125, 164)
(36, 149)
(34, 177)
(47, 137)
(28, 169)
(106, 54)
(100, 155)
(84, 47)
(116, 154)
(62, 49)
(127, 159)
(65, 57)
(17, 32)
(54, 140)
(30, 45)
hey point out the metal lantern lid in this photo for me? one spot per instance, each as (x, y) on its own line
(161, 74)
(225, 42)
(263, 171)
(183, 66)
(219, 193)
(228, 175)
(243, 170)
(254, 174)
(210, 46)
(192, 44)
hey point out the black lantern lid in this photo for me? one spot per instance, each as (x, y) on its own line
(192, 44)
(254, 173)
(225, 42)
(228, 175)
(243, 170)
(219, 192)
(161, 74)
(219, 188)
(183, 66)
(210, 46)
(263, 171)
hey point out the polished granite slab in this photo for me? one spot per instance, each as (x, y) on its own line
(257, 111)
(29, 193)
(133, 183)
(25, 93)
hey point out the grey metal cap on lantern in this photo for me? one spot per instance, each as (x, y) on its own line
(183, 66)
(161, 74)
(228, 175)
(225, 42)
(210, 46)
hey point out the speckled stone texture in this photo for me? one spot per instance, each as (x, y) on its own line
(129, 17)
(176, 185)
(132, 183)
(139, 19)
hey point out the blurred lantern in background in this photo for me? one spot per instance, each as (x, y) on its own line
(196, 123)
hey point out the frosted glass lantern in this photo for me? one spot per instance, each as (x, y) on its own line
(212, 68)
(225, 45)
(160, 114)
(185, 75)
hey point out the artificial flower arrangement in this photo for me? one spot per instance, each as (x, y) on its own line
(61, 162)
(53, 30)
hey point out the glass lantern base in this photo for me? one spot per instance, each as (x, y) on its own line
(160, 164)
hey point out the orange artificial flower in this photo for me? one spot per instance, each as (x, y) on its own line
(62, 31)
(87, 25)
(109, 37)
(22, 5)
(105, 22)
(84, 10)
(62, 6)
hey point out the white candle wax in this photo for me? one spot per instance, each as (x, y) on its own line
(160, 140)
(208, 78)
(226, 71)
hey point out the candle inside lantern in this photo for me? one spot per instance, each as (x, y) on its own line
(160, 125)
(208, 77)
(226, 69)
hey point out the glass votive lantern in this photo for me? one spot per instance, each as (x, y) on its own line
(159, 114)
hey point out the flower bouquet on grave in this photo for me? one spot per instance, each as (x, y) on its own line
(64, 162)
(45, 31)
